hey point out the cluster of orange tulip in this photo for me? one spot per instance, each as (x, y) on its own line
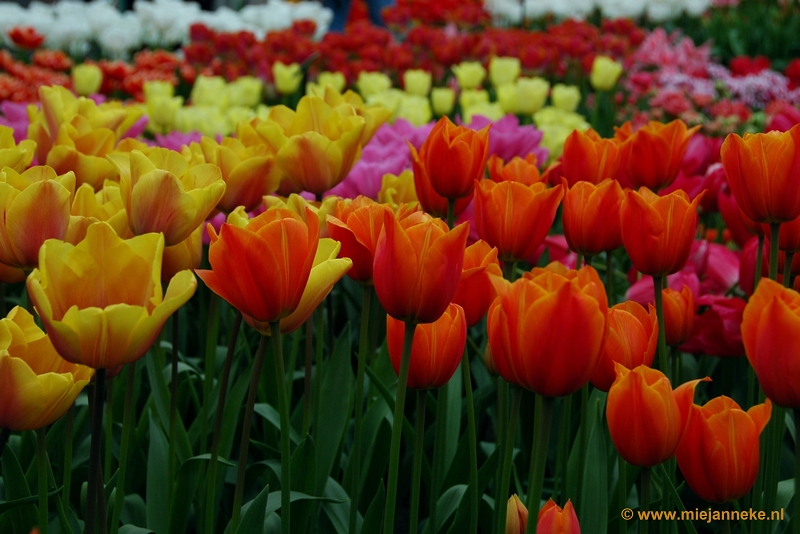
(120, 218)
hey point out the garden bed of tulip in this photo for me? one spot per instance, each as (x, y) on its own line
(482, 271)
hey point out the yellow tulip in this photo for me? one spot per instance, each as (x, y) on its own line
(86, 79)
(471, 97)
(417, 82)
(389, 99)
(287, 77)
(372, 83)
(336, 80)
(36, 207)
(298, 204)
(81, 148)
(442, 100)
(415, 109)
(16, 156)
(157, 89)
(89, 207)
(396, 190)
(470, 74)
(207, 120)
(503, 70)
(491, 110)
(556, 125)
(605, 73)
(39, 386)
(209, 91)
(101, 300)
(374, 114)
(566, 97)
(162, 193)
(163, 112)
(185, 255)
(531, 94)
(245, 91)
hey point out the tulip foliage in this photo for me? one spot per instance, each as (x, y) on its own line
(210, 341)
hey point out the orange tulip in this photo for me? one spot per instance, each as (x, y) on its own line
(516, 516)
(547, 329)
(588, 157)
(514, 217)
(771, 337)
(762, 172)
(452, 157)
(519, 170)
(646, 418)
(590, 225)
(554, 520)
(658, 231)
(678, 315)
(652, 156)
(357, 224)
(418, 264)
(632, 339)
(719, 454)
(475, 291)
(431, 201)
(436, 351)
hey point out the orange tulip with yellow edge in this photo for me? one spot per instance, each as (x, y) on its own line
(646, 418)
(516, 516)
(589, 158)
(476, 291)
(89, 207)
(16, 156)
(418, 263)
(81, 148)
(632, 339)
(452, 157)
(652, 156)
(101, 300)
(762, 171)
(162, 193)
(658, 232)
(555, 520)
(515, 217)
(720, 452)
(678, 315)
(547, 330)
(36, 207)
(37, 386)
(590, 223)
(436, 351)
(519, 170)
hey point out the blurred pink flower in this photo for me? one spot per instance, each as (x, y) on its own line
(176, 140)
(15, 116)
(717, 329)
(508, 139)
(642, 290)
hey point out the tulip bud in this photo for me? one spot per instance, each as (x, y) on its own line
(605, 73)
(443, 99)
(504, 70)
(417, 82)
(209, 91)
(287, 77)
(245, 91)
(566, 97)
(678, 315)
(516, 516)
(531, 95)
(372, 83)
(86, 79)
(334, 79)
(398, 189)
(552, 519)
(470, 74)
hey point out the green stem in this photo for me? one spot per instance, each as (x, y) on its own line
(503, 398)
(583, 437)
(211, 483)
(796, 523)
(759, 262)
(726, 526)
(212, 334)
(307, 374)
(587, 261)
(245, 441)
(4, 435)
(559, 490)
(610, 278)
(318, 360)
(284, 407)
(438, 467)
(41, 461)
(775, 429)
(579, 261)
(419, 437)
(501, 502)
(774, 233)
(622, 492)
(358, 406)
(541, 439)
(451, 213)
(68, 431)
(644, 501)
(473, 445)
(173, 406)
(127, 426)
(658, 287)
(107, 429)
(397, 426)
(92, 490)
(787, 269)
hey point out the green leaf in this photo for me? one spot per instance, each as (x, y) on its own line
(16, 487)
(185, 488)
(157, 463)
(253, 518)
(338, 512)
(373, 521)
(304, 479)
(274, 503)
(5, 506)
(132, 529)
(455, 392)
(446, 506)
(272, 416)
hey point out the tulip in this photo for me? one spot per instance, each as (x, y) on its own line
(86, 79)
(719, 455)
(646, 418)
(516, 516)
(546, 330)
(209, 91)
(514, 217)
(475, 291)
(631, 341)
(554, 520)
(417, 82)
(762, 174)
(678, 315)
(89, 207)
(245, 91)
(36, 207)
(357, 224)
(587, 225)
(374, 115)
(336, 80)
(566, 97)
(442, 100)
(519, 170)
(17, 156)
(588, 157)
(504, 70)
(92, 317)
(298, 204)
(431, 201)
(372, 83)
(287, 77)
(652, 156)
(452, 157)
(39, 385)
(396, 190)
(415, 109)
(436, 350)
(470, 74)
(162, 193)
(605, 73)
(81, 148)
(658, 231)
(185, 255)
(418, 264)
(771, 337)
